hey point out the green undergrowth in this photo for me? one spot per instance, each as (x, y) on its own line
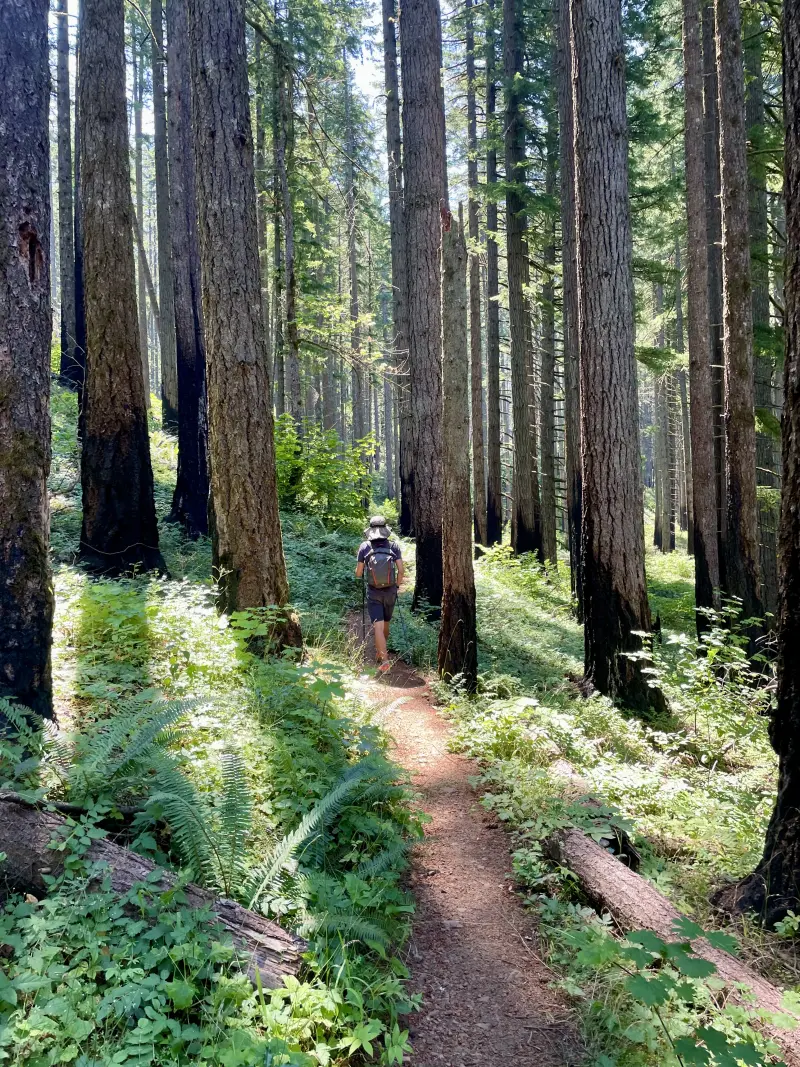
(694, 793)
(263, 780)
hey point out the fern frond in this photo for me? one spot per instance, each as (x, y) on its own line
(235, 821)
(285, 849)
(390, 857)
(189, 821)
(346, 925)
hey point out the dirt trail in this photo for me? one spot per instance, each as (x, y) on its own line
(473, 952)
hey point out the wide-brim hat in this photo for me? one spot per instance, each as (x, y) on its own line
(378, 529)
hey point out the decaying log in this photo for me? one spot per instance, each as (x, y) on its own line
(25, 836)
(635, 905)
(620, 843)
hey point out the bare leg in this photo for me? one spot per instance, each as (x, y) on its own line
(380, 641)
(386, 626)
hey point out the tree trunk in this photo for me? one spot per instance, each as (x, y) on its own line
(284, 148)
(526, 533)
(166, 319)
(658, 466)
(388, 435)
(686, 451)
(261, 188)
(71, 369)
(458, 655)
(569, 266)
(706, 539)
(772, 890)
(80, 296)
(249, 546)
(741, 556)
(398, 248)
(26, 834)
(190, 500)
(26, 590)
(713, 196)
(494, 474)
(119, 518)
(425, 189)
(548, 367)
(144, 268)
(615, 593)
(766, 459)
(360, 394)
(279, 361)
(475, 335)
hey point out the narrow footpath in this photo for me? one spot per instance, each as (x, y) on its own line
(473, 952)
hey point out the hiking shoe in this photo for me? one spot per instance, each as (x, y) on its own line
(384, 667)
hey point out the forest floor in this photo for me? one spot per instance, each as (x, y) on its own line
(473, 953)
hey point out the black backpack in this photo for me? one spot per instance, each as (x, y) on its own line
(381, 566)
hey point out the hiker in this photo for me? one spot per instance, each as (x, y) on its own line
(380, 558)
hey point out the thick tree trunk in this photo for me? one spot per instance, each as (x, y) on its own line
(119, 519)
(615, 593)
(741, 543)
(526, 531)
(261, 188)
(458, 653)
(283, 150)
(26, 834)
(475, 335)
(494, 475)
(713, 196)
(26, 590)
(425, 189)
(706, 539)
(166, 320)
(774, 888)
(80, 294)
(190, 500)
(569, 267)
(547, 427)
(686, 445)
(241, 432)
(144, 267)
(398, 246)
(278, 357)
(766, 458)
(71, 369)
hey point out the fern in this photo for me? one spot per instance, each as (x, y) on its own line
(266, 873)
(235, 821)
(389, 858)
(345, 924)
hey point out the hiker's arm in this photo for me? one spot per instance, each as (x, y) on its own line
(400, 572)
(359, 569)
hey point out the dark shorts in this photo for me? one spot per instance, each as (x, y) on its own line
(380, 603)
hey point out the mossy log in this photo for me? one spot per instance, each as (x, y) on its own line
(25, 836)
(635, 905)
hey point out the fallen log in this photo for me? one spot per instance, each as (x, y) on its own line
(620, 843)
(636, 905)
(25, 836)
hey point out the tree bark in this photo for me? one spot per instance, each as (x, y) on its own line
(772, 890)
(279, 360)
(144, 267)
(166, 319)
(458, 654)
(249, 547)
(494, 475)
(547, 427)
(713, 195)
(119, 519)
(706, 538)
(659, 460)
(71, 369)
(686, 452)
(569, 268)
(615, 593)
(425, 189)
(26, 834)
(261, 188)
(26, 590)
(475, 334)
(360, 394)
(397, 231)
(526, 531)
(190, 500)
(741, 546)
(282, 150)
(80, 296)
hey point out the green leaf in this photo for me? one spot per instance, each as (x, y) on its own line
(637, 955)
(693, 967)
(647, 939)
(650, 991)
(181, 994)
(8, 994)
(720, 940)
(684, 927)
(692, 1054)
